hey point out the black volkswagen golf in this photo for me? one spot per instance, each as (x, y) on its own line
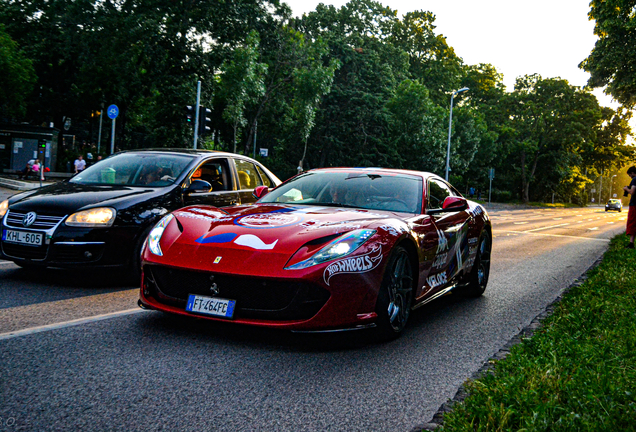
(101, 217)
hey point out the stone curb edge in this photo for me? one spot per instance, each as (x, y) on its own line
(437, 422)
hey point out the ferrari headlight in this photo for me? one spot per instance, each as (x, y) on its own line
(342, 246)
(155, 235)
(4, 206)
(97, 217)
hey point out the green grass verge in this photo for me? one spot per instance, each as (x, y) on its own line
(577, 372)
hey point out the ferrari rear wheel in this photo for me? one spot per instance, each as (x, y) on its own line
(396, 294)
(478, 278)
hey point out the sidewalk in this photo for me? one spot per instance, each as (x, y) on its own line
(22, 185)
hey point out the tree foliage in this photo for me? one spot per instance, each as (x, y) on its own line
(612, 62)
(350, 86)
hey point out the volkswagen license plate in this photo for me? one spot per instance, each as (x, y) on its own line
(22, 237)
(210, 306)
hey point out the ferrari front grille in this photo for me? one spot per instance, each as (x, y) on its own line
(255, 297)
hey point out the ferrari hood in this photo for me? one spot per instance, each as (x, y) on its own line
(258, 235)
(268, 227)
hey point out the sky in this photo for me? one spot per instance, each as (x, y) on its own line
(548, 37)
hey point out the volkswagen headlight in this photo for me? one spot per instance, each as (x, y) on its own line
(155, 235)
(4, 207)
(98, 217)
(342, 246)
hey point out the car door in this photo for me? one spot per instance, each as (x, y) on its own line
(217, 173)
(452, 230)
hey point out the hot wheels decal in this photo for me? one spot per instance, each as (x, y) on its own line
(205, 217)
(476, 211)
(391, 230)
(248, 240)
(268, 220)
(219, 238)
(254, 242)
(443, 241)
(440, 260)
(437, 280)
(358, 264)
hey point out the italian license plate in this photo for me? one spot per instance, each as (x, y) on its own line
(22, 237)
(210, 306)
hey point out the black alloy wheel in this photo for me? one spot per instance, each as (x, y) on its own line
(396, 294)
(478, 278)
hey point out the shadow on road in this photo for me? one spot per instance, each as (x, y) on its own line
(220, 333)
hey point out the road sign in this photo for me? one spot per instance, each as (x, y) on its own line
(113, 112)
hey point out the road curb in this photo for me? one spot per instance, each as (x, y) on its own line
(20, 185)
(437, 422)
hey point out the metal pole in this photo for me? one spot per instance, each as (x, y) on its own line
(196, 116)
(490, 191)
(450, 125)
(99, 134)
(255, 131)
(112, 138)
(600, 189)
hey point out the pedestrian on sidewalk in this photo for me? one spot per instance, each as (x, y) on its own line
(80, 164)
(631, 215)
(28, 169)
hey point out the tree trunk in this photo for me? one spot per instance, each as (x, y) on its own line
(524, 181)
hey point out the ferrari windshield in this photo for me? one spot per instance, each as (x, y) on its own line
(143, 169)
(374, 190)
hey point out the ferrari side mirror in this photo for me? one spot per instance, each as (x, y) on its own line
(453, 203)
(260, 191)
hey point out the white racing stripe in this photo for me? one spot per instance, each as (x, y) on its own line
(71, 323)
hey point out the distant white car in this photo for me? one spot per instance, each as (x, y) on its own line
(614, 204)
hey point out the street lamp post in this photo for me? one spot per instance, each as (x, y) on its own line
(450, 126)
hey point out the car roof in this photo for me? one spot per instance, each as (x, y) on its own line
(422, 174)
(186, 151)
(201, 152)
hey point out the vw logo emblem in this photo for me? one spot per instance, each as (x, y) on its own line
(29, 218)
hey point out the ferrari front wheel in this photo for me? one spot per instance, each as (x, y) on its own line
(396, 294)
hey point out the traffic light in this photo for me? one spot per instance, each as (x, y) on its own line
(205, 122)
(190, 114)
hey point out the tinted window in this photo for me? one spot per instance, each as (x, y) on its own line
(135, 169)
(266, 180)
(247, 174)
(437, 193)
(214, 172)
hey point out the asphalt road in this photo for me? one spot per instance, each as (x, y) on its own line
(77, 354)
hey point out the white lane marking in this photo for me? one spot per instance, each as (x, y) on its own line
(71, 323)
(548, 227)
(519, 223)
(557, 218)
(592, 229)
(556, 235)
